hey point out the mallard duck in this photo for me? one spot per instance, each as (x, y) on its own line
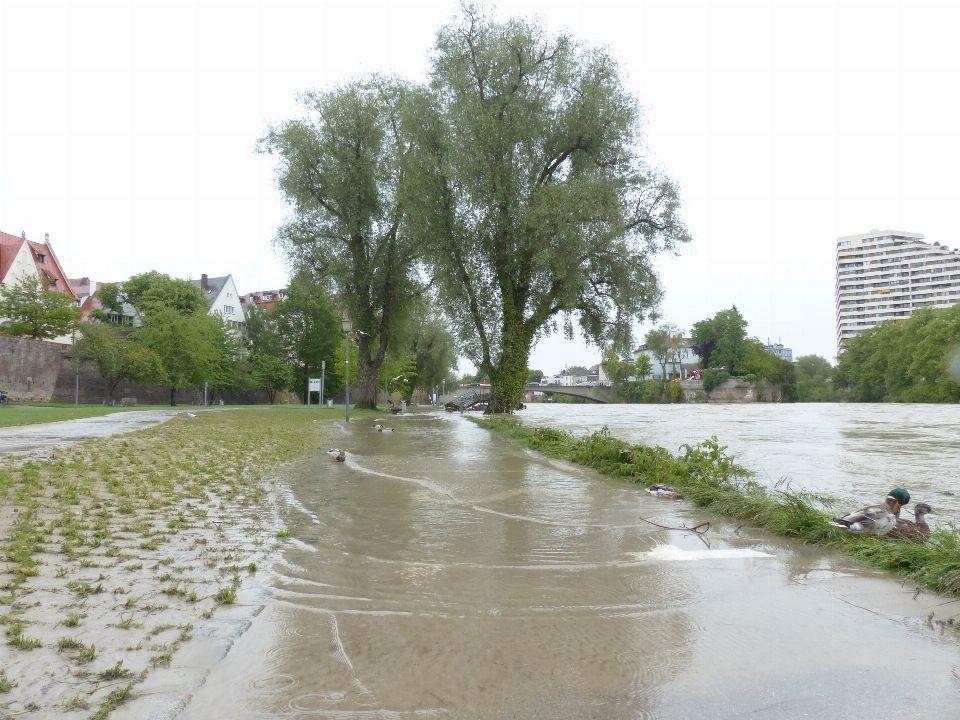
(876, 520)
(667, 492)
(384, 429)
(918, 530)
(337, 454)
(378, 426)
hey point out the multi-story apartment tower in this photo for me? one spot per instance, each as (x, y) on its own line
(886, 274)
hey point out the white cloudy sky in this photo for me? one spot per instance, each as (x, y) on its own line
(127, 132)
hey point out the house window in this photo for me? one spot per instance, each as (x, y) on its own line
(41, 257)
(228, 309)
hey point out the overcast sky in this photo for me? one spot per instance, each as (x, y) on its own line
(127, 132)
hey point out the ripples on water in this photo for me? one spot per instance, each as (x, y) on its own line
(854, 451)
(450, 575)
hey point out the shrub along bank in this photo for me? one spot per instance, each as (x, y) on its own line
(710, 479)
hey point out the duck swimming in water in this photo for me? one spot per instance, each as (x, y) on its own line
(876, 520)
(918, 530)
(666, 492)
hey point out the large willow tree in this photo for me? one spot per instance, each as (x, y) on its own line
(533, 196)
(340, 169)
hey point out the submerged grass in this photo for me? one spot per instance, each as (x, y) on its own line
(710, 479)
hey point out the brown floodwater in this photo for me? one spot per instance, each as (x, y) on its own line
(440, 572)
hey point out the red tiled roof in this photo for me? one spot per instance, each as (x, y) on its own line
(49, 268)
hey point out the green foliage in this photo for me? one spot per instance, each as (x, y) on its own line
(151, 290)
(339, 168)
(814, 382)
(433, 352)
(302, 332)
(710, 479)
(617, 370)
(532, 194)
(32, 309)
(534, 376)
(643, 368)
(640, 391)
(721, 342)
(713, 378)
(903, 361)
(115, 357)
(272, 374)
(763, 365)
(665, 343)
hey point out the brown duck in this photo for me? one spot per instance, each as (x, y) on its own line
(918, 530)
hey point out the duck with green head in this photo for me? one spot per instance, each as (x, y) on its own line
(876, 520)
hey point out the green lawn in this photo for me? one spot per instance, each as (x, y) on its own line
(16, 414)
(11, 415)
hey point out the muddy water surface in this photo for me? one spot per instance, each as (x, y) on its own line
(441, 573)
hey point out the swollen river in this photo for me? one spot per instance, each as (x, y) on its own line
(440, 572)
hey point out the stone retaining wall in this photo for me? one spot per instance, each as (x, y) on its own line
(39, 371)
(733, 390)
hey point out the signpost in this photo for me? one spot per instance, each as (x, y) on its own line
(313, 386)
(205, 386)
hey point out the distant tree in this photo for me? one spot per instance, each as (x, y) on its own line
(272, 374)
(533, 194)
(433, 353)
(814, 382)
(759, 363)
(194, 346)
(32, 309)
(903, 361)
(340, 171)
(304, 331)
(115, 357)
(534, 376)
(676, 347)
(660, 343)
(643, 368)
(616, 370)
(721, 341)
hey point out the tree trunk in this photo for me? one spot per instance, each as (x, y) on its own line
(173, 397)
(508, 378)
(367, 383)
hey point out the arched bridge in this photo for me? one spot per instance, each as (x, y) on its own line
(594, 393)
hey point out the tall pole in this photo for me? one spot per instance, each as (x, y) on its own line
(346, 344)
(323, 372)
(386, 378)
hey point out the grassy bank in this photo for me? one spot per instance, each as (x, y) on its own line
(710, 479)
(115, 549)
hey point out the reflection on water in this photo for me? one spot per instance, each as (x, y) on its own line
(848, 450)
(441, 573)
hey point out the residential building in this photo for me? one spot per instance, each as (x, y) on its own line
(90, 301)
(784, 353)
(685, 363)
(266, 299)
(21, 258)
(224, 299)
(886, 274)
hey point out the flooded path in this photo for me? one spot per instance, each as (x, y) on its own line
(441, 573)
(43, 436)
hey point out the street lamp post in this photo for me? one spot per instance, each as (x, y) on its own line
(347, 325)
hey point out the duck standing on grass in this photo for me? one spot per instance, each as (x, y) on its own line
(919, 530)
(876, 520)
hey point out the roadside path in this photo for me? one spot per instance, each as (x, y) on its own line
(42, 436)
